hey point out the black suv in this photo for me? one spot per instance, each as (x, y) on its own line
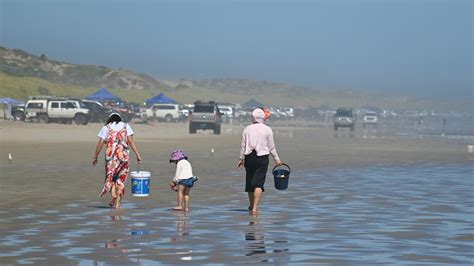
(98, 112)
(205, 115)
(344, 117)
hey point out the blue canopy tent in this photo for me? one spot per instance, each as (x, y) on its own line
(161, 98)
(252, 103)
(103, 95)
(10, 101)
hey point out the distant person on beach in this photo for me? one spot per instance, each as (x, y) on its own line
(257, 143)
(117, 137)
(183, 180)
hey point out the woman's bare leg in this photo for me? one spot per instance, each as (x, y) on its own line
(257, 194)
(251, 200)
(118, 200)
(118, 193)
(113, 194)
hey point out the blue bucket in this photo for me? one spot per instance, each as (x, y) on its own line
(281, 177)
(140, 183)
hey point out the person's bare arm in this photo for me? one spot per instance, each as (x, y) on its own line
(134, 147)
(98, 148)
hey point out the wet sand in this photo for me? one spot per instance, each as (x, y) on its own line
(50, 212)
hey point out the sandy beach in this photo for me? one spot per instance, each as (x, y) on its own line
(52, 162)
(51, 179)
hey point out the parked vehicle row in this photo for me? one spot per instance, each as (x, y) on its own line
(345, 117)
(201, 115)
(46, 109)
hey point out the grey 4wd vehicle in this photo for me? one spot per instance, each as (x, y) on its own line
(205, 115)
(344, 117)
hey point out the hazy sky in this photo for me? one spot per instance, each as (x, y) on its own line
(420, 47)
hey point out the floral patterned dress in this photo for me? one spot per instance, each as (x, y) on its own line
(116, 161)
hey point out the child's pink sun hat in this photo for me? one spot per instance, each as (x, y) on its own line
(177, 155)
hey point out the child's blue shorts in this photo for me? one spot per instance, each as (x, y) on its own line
(188, 182)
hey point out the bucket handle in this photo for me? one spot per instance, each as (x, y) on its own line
(138, 167)
(283, 164)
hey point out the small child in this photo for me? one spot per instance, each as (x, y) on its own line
(183, 180)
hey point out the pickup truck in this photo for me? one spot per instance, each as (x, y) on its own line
(65, 111)
(205, 115)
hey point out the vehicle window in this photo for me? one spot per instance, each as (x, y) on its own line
(55, 105)
(34, 106)
(344, 113)
(71, 105)
(63, 105)
(204, 109)
(165, 107)
(82, 105)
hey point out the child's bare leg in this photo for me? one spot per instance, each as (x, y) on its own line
(251, 200)
(187, 198)
(257, 194)
(180, 196)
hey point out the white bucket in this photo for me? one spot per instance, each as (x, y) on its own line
(140, 183)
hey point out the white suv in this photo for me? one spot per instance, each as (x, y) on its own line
(162, 112)
(50, 110)
(370, 118)
(227, 113)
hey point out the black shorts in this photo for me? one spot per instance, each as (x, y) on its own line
(255, 171)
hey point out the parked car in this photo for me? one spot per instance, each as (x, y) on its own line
(161, 112)
(205, 115)
(370, 118)
(288, 112)
(18, 112)
(45, 110)
(125, 111)
(227, 113)
(243, 114)
(98, 112)
(344, 117)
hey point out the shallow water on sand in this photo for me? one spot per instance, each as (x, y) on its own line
(410, 214)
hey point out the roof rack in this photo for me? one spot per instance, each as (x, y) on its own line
(46, 97)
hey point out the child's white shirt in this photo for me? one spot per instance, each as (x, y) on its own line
(183, 170)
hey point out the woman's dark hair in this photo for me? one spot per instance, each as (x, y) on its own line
(113, 118)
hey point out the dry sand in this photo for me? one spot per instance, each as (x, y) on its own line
(52, 163)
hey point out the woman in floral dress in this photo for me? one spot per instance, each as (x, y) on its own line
(117, 137)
